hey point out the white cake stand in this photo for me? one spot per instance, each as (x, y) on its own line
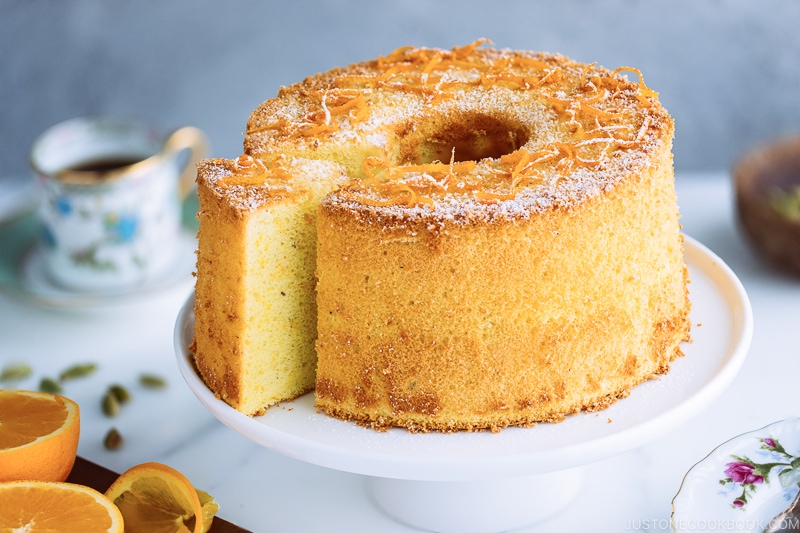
(486, 482)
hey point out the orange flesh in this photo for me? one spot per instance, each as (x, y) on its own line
(29, 506)
(18, 416)
(39, 435)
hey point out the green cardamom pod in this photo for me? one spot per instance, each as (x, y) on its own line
(113, 439)
(120, 393)
(77, 371)
(110, 405)
(50, 385)
(152, 381)
(15, 372)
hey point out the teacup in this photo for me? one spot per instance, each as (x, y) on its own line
(112, 193)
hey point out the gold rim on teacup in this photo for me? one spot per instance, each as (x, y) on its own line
(185, 138)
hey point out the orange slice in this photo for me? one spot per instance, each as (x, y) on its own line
(49, 506)
(155, 498)
(38, 435)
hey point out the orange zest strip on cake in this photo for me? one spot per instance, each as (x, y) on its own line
(645, 90)
(353, 103)
(276, 167)
(277, 125)
(467, 50)
(585, 73)
(432, 168)
(437, 58)
(369, 164)
(251, 172)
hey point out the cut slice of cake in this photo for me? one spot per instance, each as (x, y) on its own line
(255, 310)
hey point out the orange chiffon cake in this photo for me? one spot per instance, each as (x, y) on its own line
(444, 240)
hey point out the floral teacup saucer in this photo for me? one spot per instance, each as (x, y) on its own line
(743, 484)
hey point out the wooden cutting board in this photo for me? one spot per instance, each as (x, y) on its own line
(100, 478)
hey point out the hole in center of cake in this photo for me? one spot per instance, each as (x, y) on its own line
(469, 137)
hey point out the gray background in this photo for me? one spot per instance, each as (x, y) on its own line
(727, 70)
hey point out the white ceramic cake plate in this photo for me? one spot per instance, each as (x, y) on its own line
(485, 481)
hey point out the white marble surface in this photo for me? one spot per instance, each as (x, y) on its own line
(266, 492)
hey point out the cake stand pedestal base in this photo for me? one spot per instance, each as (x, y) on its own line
(480, 506)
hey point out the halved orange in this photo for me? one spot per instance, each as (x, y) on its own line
(39, 435)
(51, 506)
(156, 498)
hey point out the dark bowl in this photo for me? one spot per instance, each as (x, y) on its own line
(767, 188)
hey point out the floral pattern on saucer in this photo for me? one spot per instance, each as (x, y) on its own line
(742, 484)
(750, 474)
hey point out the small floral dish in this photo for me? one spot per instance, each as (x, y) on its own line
(767, 187)
(743, 484)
